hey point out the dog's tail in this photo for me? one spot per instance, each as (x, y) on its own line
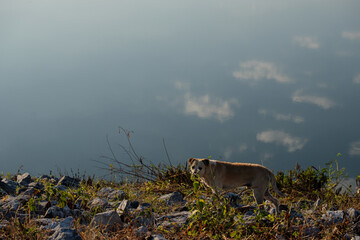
(274, 186)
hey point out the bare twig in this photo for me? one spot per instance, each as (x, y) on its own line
(167, 154)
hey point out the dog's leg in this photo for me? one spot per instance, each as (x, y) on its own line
(269, 197)
(258, 195)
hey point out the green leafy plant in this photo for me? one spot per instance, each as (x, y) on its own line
(211, 215)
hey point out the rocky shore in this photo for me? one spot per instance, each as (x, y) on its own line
(61, 209)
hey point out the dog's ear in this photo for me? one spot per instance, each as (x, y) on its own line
(206, 162)
(191, 160)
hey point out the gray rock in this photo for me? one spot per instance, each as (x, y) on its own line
(24, 179)
(295, 214)
(143, 206)
(65, 234)
(44, 204)
(123, 207)
(69, 181)
(247, 218)
(117, 195)
(98, 203)
(232, 197)
(36, 185)
(8, 186)
(56, 211)
(27, 194)
(49, 179)
(172, 198)
(352, 213)
(157, 237)
(141, 231)
(111, 194)
(143, 221)
(126, 205)
(109, 219)
(10, 203)
(173, 219)
(48, 223)
(333, 216)
(104, 192)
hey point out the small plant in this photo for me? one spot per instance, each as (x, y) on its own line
(335, 175)
(211, 215)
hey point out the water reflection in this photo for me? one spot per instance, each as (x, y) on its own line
(237, 80)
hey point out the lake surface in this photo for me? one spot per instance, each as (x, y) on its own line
(265, 82)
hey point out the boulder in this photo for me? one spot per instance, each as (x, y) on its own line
(110, 219)
(111, 194)
(47, 223)
(333, 216)
(58, 212)
(24, 179)
(98, 203)
(123, 207)
(173, 219)
(143, 206)
(8, 186)
(141, 231)
(157, 237)
(10, 203)
(232, 197)
(63, 228)
(104, 192)
(69, 181)
(172, 198)
(352, 213)
(53, 180)
(126, 205)
(36, 185)
(116, 195)
(64, 234)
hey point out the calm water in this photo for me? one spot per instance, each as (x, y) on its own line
(253, 81)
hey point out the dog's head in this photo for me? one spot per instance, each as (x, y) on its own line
(198, 166)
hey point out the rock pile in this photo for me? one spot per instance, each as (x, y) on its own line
(111, 210)
(58, 218)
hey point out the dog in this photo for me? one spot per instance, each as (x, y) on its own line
(225, 175)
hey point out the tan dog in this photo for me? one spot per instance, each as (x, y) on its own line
(226, 175)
